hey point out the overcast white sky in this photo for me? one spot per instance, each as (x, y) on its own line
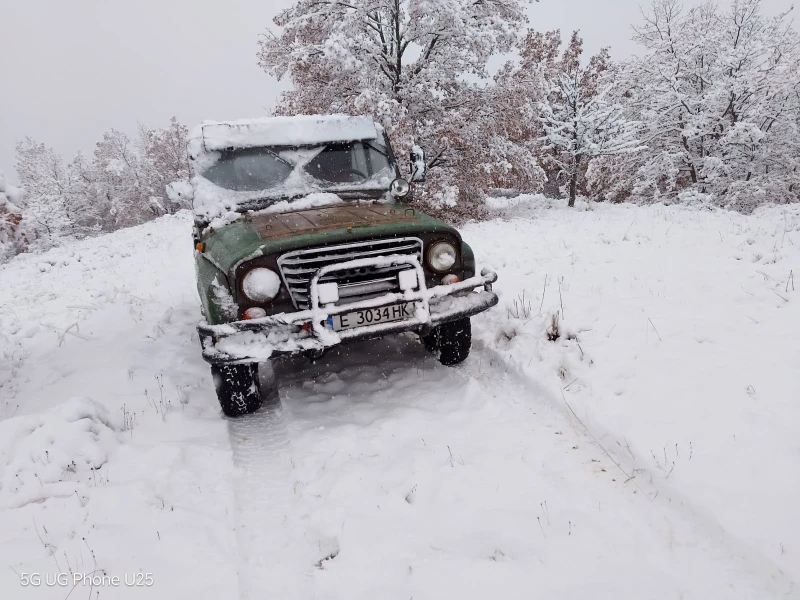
(70, 70)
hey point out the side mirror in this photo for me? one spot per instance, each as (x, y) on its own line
(418, 166)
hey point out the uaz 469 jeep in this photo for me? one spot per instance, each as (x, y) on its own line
(305, 239)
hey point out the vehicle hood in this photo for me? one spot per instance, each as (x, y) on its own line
(275, 233)
(348, 216)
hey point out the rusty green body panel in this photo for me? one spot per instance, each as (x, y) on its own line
(207, 276)
(241, 239)
(272, 235)
(232, 244)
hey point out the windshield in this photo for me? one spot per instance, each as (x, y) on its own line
(258, 169)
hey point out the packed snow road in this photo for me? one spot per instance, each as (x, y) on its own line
(649, 451)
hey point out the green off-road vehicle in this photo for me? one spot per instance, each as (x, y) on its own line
(305, 239)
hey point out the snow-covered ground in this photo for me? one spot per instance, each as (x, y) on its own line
(651, 451)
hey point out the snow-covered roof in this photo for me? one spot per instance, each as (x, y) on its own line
(301, 130)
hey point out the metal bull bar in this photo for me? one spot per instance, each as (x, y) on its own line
(311, 330)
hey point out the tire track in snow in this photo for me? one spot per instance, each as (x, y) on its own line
(668, 501)
(272, 562)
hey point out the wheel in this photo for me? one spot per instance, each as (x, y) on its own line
(431, 341)
(452, 340)
(237, 388)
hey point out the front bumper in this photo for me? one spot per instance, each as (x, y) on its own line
(306, 331)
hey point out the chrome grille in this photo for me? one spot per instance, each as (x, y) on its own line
(298, 267)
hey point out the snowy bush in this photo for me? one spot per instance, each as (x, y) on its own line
(11, 238)
(45, 454)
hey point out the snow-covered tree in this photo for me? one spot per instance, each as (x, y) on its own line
(122, 184)
(165, 160)
(89, 209)
(717, 91)
(407, 63)
(46, 184)
(580, 120)
(581, 129)
(520, 85)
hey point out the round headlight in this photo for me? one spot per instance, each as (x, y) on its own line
(261, 285)
(442, 256)
(399, 188)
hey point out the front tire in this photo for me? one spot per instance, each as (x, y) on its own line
(237, 388)
(452, 341)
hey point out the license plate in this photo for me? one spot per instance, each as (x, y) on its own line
(371, 316)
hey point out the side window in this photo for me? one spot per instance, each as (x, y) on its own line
(359, 159)
(378, 161)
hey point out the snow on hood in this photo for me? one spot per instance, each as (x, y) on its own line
(301, 130)
(314, 200)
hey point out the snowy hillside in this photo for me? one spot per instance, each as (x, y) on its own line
(649, 451)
